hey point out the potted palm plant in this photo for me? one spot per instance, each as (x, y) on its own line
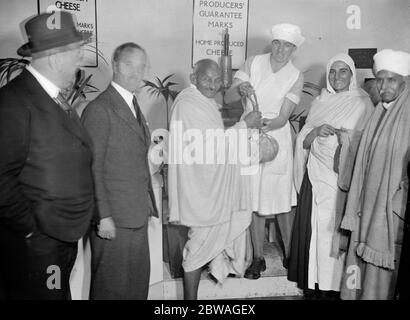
(163, 88)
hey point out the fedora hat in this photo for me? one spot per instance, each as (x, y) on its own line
(43, 35)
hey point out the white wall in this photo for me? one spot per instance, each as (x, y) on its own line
(384, 24)
(164, 28)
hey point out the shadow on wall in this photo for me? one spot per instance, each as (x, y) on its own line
(258, 43)
(315, 74)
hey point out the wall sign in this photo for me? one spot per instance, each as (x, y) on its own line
(210, 20)
(86, 14)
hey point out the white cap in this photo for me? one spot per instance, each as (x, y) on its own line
(391, 60)
(288, 32)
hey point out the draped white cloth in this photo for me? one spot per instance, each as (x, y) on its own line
(349, 110)
(207, 188)
(271, 89)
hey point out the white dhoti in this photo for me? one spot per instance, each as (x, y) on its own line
(223, 245)
(207, 194)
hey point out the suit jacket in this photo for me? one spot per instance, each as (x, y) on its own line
(120, 166)
(45, 164)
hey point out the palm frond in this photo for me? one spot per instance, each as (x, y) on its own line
(311, 85)
(90, 86)
(94, 49)
(173, 94)
(309, 93)
(161, 87)
(154, 92)
(165, 94)
(10, 66)
(167, 77)
(80, 89)
(150, 84)
(296, 117)
(160, 83)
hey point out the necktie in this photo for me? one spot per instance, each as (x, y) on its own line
(139, 116)
(137, 111)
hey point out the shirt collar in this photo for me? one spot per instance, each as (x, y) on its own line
(51, 89)
(127, 95)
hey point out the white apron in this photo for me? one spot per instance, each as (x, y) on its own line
(273, 191)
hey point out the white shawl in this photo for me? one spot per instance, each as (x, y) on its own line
(202, 194)
(349, 110)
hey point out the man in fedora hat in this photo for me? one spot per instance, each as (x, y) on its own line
(46, 186)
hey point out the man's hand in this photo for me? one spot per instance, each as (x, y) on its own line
(106, 228)
(325, 130)
(246, 89)
(266, 125)
(253, 120)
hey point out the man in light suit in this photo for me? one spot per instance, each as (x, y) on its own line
(125, 200)
(46, 186)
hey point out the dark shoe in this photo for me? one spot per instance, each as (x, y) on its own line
(310, 294)
(285, 263)
(255, 269)
(329, 295)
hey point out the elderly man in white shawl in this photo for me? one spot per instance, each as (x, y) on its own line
(208, 195)
(377, 197)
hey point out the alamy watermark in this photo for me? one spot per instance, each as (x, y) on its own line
(54, 280)
(207, 147)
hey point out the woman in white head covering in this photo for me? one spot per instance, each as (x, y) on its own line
(335, 120)
(277, 84)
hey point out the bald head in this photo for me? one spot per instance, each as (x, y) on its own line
(206, 76)
(203, 65)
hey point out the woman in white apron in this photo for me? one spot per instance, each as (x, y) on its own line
(277, 85)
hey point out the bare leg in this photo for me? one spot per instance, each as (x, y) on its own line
(191, 283)
(285, 223)
(257, 235)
